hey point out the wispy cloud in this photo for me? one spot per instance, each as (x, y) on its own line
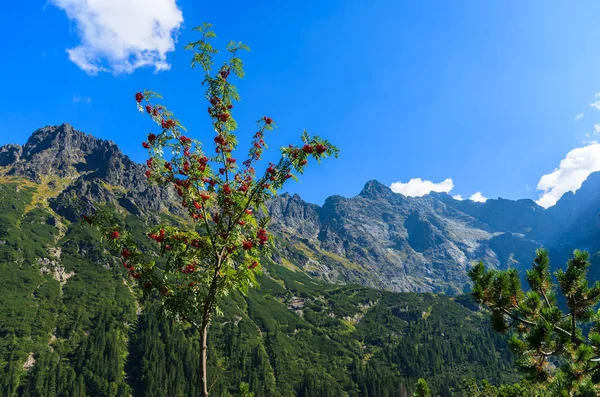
(596, 105)
(121, 36)
(418, 187)
(572, 171)
(478, 197)
(79, 98)
(579, 116)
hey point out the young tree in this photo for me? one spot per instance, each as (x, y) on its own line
(422, 389)
(552, 349)
(222, 248)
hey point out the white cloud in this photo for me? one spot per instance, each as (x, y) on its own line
(478, 197)
(418, 187)
(78, 98)
(120, 36)
(579, 116)
(572, 171)
(458, 197)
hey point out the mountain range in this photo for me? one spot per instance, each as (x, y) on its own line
(379, 238)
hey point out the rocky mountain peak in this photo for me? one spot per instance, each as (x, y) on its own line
(60, 151)
(376, 190)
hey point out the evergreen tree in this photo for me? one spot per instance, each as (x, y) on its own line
(551, 346)
(422, 389)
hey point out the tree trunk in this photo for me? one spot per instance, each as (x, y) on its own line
(203, 377)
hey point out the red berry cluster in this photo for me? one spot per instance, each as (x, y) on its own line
(167, 124)
(188, 269)
(159, 238)
(184, 140)
(115, 235)
(125, 253)
(262, 236)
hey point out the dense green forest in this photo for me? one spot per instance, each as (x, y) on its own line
(73, 325)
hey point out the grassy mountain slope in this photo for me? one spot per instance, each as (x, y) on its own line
(72, 325)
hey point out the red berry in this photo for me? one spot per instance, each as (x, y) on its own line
(268, 120)
(219, 139)
(248, 212)
(307, 149)
(139, 97)
(115, 235)
(247, 245)
(321, 148)
(136, 275)
(229, 106)
(148, 108)
(145, 145)
(151, 138)
(253, 265)
(226, 189)
(184, 139)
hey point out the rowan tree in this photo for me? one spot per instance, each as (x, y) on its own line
(548, 337)
(222, 247)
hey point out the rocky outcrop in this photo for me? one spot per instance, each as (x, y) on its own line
(94, 170)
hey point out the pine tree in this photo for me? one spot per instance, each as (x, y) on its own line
(551, 347)
(422, 389)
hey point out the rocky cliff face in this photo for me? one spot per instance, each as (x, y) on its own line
(401, 243)
(378, 238)
(83, 169)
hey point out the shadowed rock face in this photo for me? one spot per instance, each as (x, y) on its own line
(378, 238)
(89, 167)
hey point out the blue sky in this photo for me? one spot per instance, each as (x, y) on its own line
(484, 93)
